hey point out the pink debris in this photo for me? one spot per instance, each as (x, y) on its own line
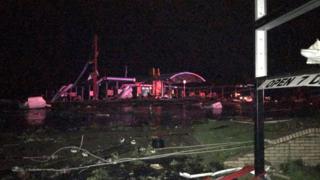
(217, 105)
(36, 102)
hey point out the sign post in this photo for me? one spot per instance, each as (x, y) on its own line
(259, 130)
(263, 25)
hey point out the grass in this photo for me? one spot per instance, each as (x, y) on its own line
(221, 132)
(277, 130)
(230, 131)
(296, 170)
(104, 139)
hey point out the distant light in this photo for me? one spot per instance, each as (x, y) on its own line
(184, 81)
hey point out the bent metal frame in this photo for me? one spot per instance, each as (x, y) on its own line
(263, 23)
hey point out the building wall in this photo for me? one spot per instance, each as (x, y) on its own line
(304, 145)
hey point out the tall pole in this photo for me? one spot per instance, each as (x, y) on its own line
(259, 131)
(95, 67)
(261, 58)
(126, 71)
(106, 90)
(184, 88)
(82, 93)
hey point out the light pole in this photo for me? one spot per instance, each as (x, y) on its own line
(184, 87)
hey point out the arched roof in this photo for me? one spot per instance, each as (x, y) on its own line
(177, 78)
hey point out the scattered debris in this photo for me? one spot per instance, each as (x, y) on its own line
(73, 150)
(133, 142)
(225, 171)
(217, 105)
(16, 169)
(156, 166)
(84, 154)
(142, 149)
(114, 156)
(235, 173)
(109, 160)
(278, 121)
(122, 140)
(103, 115)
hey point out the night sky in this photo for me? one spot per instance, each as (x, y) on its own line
(45, 44)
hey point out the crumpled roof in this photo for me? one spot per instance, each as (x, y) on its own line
(177, 78)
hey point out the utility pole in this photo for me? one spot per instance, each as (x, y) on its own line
(95, 67)
(126, 71)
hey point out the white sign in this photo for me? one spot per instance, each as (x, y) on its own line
(261, 53)
(292, 81)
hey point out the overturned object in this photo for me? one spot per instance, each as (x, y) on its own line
(312, 53)
(125, 92)
(36, 102)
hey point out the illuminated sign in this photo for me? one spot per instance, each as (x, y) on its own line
(312, 80)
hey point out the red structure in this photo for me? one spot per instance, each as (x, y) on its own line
(94, 73)
(157, 88)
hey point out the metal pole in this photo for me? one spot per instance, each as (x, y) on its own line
(222, 92)
(117, 87)
(261, 59)
(107, 87)
(184, 88)
(82, 93)
(89, 93)
(46, 94)
(126, 71)
(76, 92)
(259, 130)
(95, 68)
(162, 88)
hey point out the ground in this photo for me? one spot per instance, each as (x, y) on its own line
(120, 132)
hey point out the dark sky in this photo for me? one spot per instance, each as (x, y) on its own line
(45, 44)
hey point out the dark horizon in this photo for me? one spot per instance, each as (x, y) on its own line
(46, 45)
